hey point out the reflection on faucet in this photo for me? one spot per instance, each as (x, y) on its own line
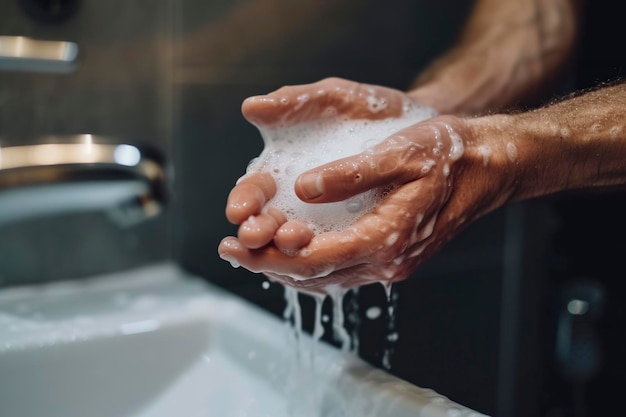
(19, 53)
(82, 172)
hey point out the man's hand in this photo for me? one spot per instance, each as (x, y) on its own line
(422, 165)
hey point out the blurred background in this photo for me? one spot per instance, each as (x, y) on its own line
(516, 317)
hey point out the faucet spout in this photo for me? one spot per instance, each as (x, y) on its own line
(81, 173)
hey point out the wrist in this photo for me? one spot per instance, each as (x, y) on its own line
(582, 142)
(576, 144)
(532, 155)
(499, 156)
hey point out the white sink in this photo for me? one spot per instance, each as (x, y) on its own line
(156, 342)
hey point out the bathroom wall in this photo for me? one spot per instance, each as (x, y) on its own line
(121, 89)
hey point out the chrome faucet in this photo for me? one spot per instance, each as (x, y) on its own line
(81, 172)
(23, 54)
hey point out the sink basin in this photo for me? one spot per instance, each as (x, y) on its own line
(157, 342)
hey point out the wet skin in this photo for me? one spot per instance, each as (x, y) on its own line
(508, 52)
(421, 163)
(498, 60)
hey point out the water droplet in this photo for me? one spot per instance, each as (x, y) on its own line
(393, 337)
(373, 313)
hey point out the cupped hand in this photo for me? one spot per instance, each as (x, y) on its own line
(333, 99)
(437, 173)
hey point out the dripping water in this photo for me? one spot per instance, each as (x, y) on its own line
(392, 337)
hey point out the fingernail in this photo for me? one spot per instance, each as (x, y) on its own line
(311, 185)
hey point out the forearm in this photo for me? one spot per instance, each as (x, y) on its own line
(578, 143)
(507, 53)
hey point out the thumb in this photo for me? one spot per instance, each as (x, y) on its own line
(347, 177)
(404, 156)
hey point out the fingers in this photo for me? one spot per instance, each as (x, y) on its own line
(249, 196)
(257, 231)
(377, 238)
(305, 264)
(260, 230)
(342, 179)
(329, 98)
(293, 236)
(402, 157)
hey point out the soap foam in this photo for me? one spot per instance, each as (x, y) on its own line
(290, 151)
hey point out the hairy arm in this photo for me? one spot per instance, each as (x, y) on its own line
(578, 143)
(508, 53)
